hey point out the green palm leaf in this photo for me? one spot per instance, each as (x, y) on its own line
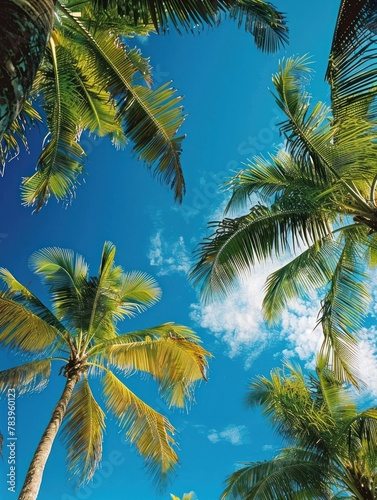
(342, 313)
(260, 18)
(278, 477)
(150, 118)
(61, 159)
(239, 243)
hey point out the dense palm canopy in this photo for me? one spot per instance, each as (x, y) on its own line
(80, 331)
(331, 446)
(91, 82)
(314, 201)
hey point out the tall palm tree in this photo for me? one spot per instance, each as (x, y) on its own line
(90, 80)
(80, 331)
(316, 198)
(331, 448)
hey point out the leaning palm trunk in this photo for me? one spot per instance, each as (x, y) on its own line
(34, 474)
(25, 27)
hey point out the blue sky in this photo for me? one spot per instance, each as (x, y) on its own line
(231, 116)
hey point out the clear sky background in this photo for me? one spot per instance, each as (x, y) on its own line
(231, 117)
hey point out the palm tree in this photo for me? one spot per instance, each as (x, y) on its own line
(90, 81)
(186, 496)
(80, 331)
(331, 448)
(316, 199)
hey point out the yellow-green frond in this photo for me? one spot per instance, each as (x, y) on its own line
(84, 424)
(176, 363)
(147, 429)
(138, 292)
(21, 329)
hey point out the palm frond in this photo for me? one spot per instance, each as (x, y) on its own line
(151, 118)
(263, 21)
(277, 478)
(138, 291)
(17, 133)
(147, 429)
(23, 295)
(307, 272)
(176, 363)
(61, 160)
(260, 18)
(343, 312)
(21, 329)
(26, 378)
(83, 428)
(352, 65)
(239, 243)
(65, 273)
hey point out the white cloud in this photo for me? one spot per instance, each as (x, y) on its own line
(233, 434)
(237, 321)
(268, 447)
(169, 256)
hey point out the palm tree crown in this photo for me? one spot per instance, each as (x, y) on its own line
(316, 200)
(332, 447)
(81, 332)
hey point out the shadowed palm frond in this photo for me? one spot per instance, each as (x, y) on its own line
(343, 312)
(238, 244)
(277, 477)
(259, 18)
(150, 118)
(84, 424)
(27, 378)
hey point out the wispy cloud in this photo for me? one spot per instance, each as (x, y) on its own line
(170, 256)
(233, 434)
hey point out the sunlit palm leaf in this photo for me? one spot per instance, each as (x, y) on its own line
(84, 424)
(23, 295)
(22, 329)
(147, 429)
(27, 378)
(17, 133)
(65, 273)
(138, 292)
(174, 362)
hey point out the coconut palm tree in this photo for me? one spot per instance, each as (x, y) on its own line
(80, 332)
(91, 81)
(186, 496)
(331, 450)
(314, 201)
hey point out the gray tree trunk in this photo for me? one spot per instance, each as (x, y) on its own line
(34, 474)
(24, 32)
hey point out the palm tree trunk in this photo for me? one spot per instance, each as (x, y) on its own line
(34, 474)
(24, 32)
